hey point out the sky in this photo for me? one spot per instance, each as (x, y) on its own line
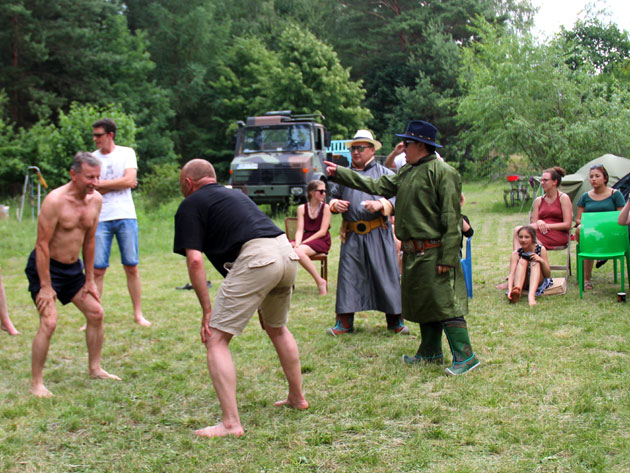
(554, 13)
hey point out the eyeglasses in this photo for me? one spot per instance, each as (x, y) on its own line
(321, 191)
(406, 142)
(597, 166)
(98, 135)
(359, 148)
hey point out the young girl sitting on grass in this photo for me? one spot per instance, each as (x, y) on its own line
(529, 267)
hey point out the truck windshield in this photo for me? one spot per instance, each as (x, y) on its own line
(277, 138)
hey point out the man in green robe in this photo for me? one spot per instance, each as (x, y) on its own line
(428, 223)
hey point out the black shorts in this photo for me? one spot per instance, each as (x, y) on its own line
(66, 279)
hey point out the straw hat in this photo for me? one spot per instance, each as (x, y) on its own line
(364, 136)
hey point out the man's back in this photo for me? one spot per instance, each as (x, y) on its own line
(218, 221)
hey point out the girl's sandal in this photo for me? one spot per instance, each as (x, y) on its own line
(588, 285)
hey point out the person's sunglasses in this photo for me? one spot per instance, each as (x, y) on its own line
(98, 135)
(406, 142)
(597, 166)
(359, 148)
(321, 191)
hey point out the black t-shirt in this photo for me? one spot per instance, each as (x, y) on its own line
(218, 221)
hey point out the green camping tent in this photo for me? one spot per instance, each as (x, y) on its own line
(578, 183)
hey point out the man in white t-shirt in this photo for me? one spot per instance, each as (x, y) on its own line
(397, 158)
(119, 170)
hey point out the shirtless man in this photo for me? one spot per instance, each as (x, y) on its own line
(66, 225)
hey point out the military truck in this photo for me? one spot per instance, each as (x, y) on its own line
(276, 155)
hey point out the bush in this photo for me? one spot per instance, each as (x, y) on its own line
(51, 147)
(161, 185)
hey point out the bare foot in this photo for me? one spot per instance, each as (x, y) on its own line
(40, 391)
(102, 374)
(532, 302)
(220, 430)
(9, 328)
(299, 405)
(322, 286)
(503, 286)
(140, 320)
(515, 295)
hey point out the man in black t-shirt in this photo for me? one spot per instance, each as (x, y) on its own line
(259, 266)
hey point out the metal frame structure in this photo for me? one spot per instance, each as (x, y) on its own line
(30, 188)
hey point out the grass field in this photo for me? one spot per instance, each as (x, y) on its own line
(552, 394)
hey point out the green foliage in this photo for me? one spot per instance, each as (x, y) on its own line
(432, 94)
(51, 147)
(11, 166)
(186, 41)
(313, 80)
(161, 185)
(74, 133)
(301, 74)
(594, 45)
(406, 53)
(67, 51)
(521, 98)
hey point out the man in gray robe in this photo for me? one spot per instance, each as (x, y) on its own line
(368, 277)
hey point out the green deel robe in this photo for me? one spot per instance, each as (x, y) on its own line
(427, 208)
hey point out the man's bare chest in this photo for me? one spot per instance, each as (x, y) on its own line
(73, 217)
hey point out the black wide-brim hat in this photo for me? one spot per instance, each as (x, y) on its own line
(418, 130)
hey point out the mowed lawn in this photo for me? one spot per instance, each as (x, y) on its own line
(552, 394)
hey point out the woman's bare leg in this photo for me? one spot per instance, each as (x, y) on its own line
(305, 252)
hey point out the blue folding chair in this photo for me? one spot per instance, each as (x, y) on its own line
(467, 268)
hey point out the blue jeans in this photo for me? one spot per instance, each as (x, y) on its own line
(126, 232)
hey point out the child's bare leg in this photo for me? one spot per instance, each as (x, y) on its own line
(535, 278)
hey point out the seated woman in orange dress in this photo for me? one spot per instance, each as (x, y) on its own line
(313, 235)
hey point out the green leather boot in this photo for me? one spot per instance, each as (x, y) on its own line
(464, 360)
(430, 350)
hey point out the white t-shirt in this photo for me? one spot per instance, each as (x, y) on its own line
(117, 204)
(401, 159)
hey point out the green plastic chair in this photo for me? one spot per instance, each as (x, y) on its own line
(601, 237)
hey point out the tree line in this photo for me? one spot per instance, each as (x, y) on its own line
(177, 76)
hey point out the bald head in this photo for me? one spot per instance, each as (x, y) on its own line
(196, 169)
(195, 174)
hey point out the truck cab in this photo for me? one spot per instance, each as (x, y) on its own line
(276, 155)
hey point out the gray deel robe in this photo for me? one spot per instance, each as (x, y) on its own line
(368, 277)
